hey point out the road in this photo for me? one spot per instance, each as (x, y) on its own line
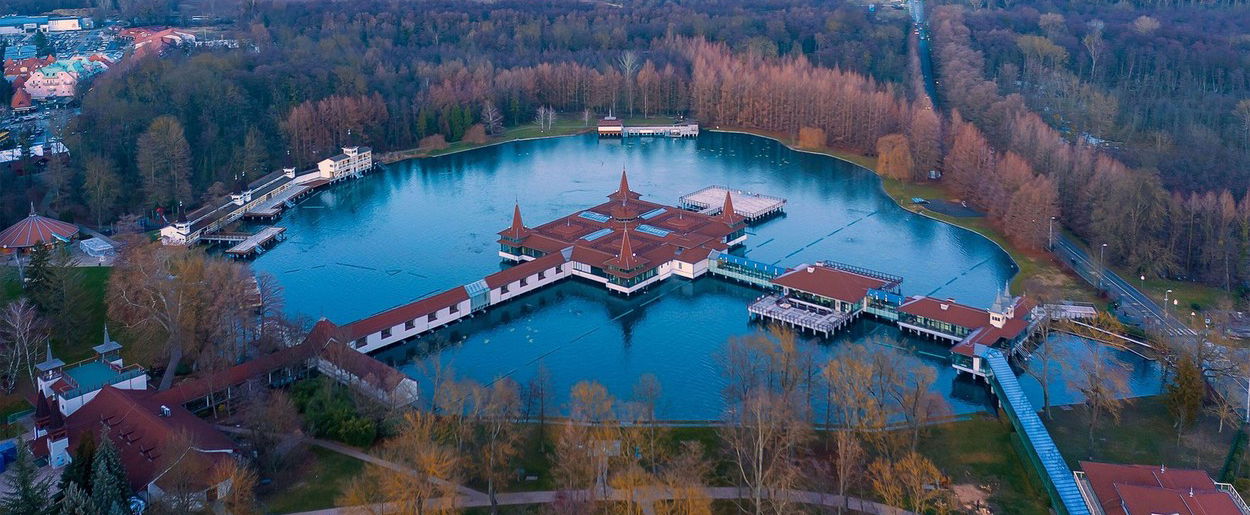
(1138, 304)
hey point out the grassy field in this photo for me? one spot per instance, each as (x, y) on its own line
(560, 128)
(1144, 434)
(313, 484)
(95, 281)
(980, 452)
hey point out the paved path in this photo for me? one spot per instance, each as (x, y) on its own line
(645, 497)
(469, 494)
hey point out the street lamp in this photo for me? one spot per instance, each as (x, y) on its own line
(1050, 234)
(1101, 251)
(1165, 302)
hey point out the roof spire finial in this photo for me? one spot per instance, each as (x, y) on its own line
(32, 208)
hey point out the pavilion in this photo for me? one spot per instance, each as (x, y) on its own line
(36, 230)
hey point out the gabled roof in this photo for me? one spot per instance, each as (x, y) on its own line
(1134, 489)
(516, 273)
(141, 433)
(623, 192)
(411, 311)
(829, 282)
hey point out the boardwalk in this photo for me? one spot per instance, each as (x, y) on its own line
(254, 244)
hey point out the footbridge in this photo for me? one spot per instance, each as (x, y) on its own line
(1061, 485)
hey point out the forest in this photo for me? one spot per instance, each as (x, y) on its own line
(1126, 124)
(1160, 213)
(393, 73)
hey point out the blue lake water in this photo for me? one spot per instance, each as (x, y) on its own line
(426, 225)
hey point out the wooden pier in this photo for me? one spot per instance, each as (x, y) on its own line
(255, 244)
(780, 309)
(751, 206)
(274, 206)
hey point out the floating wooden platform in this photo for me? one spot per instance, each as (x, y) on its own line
(276, 204)
(751, 206)
(779, 309)
(255, 244)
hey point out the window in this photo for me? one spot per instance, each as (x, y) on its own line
(386, 333)
(455, 308)
(559, 268)
(525, 282)
(542, 275)
(433, 316)
(410, 325)
(359, 343)
(503, 289)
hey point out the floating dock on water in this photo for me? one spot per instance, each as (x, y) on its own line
(751, 206)
(255, 243)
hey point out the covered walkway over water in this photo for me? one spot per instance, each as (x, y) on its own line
(1061, 485)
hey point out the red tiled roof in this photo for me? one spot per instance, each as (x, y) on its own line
(34, 230)
(24, 67)
(367, 369)
(21, 99)
(623, 192)
(829, 282)
(604, 122)
(625, 259)
(947, 311)
(141, 433)
(411, 311)
(523, 270)
(194, 388)
(1153, 489)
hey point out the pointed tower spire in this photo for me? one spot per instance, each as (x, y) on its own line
(626, 258)
(623, 192)
(727, 214)
(106, 334)
(517, 231)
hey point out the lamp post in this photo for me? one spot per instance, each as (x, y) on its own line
(1050, 234)
(1101, 251)
(1165, 302)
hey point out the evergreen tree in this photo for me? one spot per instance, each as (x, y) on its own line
(76, 501)
(28, 494)
(78, 472)
(108, 476)
(38, 273)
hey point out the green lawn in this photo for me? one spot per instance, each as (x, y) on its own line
(560, 128)
(980, 452)
(314, 484)
(1144, 435)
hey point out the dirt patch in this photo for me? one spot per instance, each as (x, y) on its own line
(972, 498)
(955, 209)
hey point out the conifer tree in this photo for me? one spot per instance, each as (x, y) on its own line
(79, 469)
(108, 476)
(76, 501)
(28, 494)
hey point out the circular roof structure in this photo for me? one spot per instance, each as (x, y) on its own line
(34, 230)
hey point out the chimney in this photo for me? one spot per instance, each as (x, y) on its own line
(811, 269)
(165, 411)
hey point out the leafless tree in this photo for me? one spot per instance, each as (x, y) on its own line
(22, 333)
(497, 437)
(629, 63)
(492, 118)
(764, 436)
(1103, 380)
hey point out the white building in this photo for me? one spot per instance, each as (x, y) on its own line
(354, 161)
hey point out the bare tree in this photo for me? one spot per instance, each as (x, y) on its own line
(685, 476)
(492, 118)
(436, 467)
(1103, 380)
(764, 436)
(849, 459)
(497, 437)
(629, 63)
(22, 333)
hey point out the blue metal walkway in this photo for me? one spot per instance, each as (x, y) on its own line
(1045, 456)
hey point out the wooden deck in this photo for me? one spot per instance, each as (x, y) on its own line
(255, 243)
(778, 308)
(751, 206)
